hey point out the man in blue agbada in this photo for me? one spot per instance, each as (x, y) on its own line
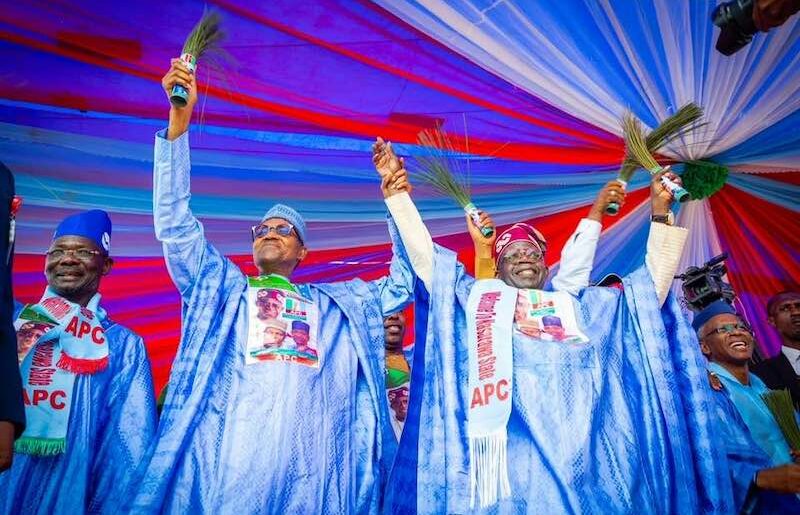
(764, 467)
(88, 391)
(256, 419)
(525, 401)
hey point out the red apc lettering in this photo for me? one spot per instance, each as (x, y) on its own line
(56, 395)
(98, 335)
(85, 328)
(79, 331)
(482, 396)
(56, 398)
(72, 327)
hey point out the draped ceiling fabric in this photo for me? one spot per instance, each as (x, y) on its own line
(533, 91)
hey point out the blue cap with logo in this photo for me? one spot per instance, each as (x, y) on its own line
(94, 225)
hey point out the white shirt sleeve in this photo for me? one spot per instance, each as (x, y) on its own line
(416, 238)
(577, 258)
(664, 248)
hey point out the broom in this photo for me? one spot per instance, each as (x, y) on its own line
(442, 171)
(780, 405)
(636, 148)
(672, 127)
(205, 37)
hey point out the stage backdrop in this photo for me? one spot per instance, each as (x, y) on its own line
(537, 88)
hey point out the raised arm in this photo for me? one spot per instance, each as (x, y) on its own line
(485, 267)
(180, 233)
(577, 256)
(394, 185)
(665, 242)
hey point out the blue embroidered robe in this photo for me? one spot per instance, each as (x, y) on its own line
(622, 424)
(112, 424)
(271, 437)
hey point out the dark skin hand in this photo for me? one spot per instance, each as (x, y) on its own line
(660, 197)
(6, 444)
(784, 479)
(179, 117)
(483, 244)
(613, 191)
(394, 176)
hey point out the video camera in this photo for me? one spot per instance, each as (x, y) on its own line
(735, 20)
(704, 285)
(738, 22)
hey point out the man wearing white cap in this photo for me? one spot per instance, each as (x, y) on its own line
(280, 433)
(274, 333)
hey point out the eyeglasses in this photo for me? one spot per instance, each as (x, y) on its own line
(730, 328)
(526, 252)
(259, 231)
(82, 254)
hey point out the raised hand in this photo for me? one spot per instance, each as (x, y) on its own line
(478, 239)
(660, 197)
(179, 117)
(384, 158)
(396, 182)
(613, 191)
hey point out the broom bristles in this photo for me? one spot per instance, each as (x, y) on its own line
(636, 144)
(672, 127)
(438, 168)
(205, 36)
(780, 405)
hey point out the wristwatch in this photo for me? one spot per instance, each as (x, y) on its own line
(668, 219)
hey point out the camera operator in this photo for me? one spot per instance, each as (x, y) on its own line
(783, 371)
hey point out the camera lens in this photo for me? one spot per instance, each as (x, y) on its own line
(722, 15)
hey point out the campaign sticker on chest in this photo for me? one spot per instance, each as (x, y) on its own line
(30, 326)
(282, 323)
(548, 316)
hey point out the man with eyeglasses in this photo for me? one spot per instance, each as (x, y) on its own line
(611, 418)
(251, 430)
(577, 255)
(783, 371)
(87, 386)
(727, 342)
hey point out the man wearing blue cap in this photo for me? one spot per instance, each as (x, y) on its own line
(87, 388)
(727, 341)
(249, 431)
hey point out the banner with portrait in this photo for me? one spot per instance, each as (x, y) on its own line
(548, 316)
(282, 323)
